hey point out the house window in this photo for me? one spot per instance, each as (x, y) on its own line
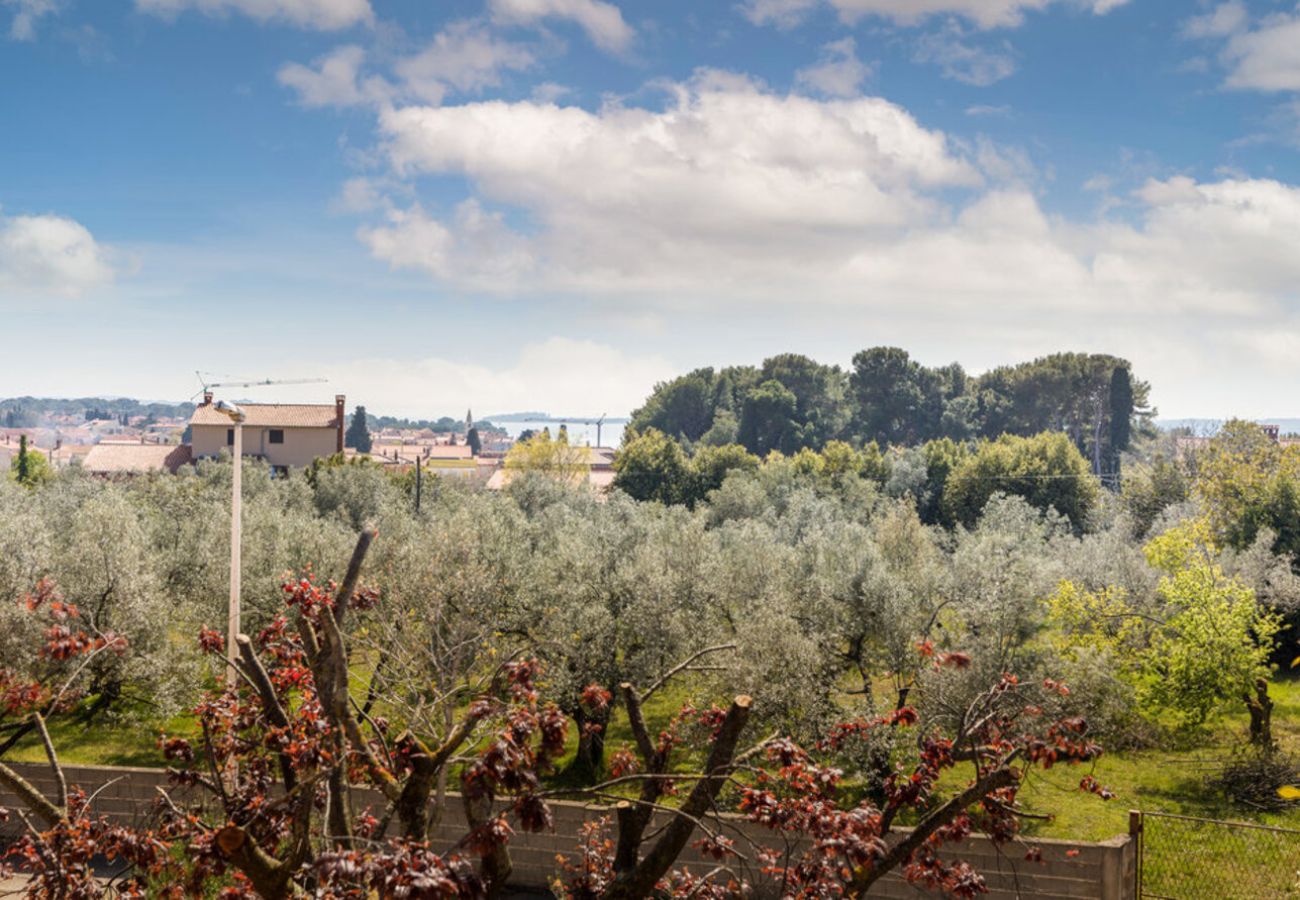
(230, 437)
(276, 436)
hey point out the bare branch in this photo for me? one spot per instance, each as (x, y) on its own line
(681, 667)
(61, 783)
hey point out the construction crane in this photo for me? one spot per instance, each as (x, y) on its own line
(209, 385)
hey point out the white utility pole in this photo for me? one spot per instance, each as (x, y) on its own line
(236, 416)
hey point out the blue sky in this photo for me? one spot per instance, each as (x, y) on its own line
(552, 204)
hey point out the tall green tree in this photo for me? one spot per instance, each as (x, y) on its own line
(896, 399)
(821, 413)
(1047, 470)
(1121, 421)
(652, 466)
(28, 467)
(768, 419)
(358, 433)
(682, 408)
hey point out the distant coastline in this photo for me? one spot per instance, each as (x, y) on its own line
(547, 417)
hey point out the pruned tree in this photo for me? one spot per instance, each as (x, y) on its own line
(823, 843)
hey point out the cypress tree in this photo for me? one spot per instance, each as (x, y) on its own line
(358, 433)
(24, 464)
(1121, 421)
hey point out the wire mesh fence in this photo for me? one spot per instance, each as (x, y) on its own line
(1185, 858)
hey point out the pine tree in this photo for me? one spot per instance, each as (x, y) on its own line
(475, 444)
(358, 433)
(1121, 421)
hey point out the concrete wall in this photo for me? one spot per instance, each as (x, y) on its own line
(300, 447)
(1102, 871)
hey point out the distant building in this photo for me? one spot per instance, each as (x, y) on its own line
(285, 435)
(599, 474)
(109, 460)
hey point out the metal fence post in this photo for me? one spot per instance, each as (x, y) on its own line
(1135, 832)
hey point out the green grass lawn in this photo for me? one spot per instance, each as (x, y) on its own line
(1172, 781)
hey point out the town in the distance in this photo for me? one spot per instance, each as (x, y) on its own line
(124, 438)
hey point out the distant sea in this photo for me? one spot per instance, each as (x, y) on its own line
(1210, 426)
(611, 433)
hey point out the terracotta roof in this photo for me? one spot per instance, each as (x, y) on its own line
(448, 451)
(105, 459)
(272, 415)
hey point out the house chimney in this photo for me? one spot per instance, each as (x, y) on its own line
(207, 398)
(341, 417)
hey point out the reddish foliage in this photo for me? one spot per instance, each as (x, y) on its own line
(211, 641)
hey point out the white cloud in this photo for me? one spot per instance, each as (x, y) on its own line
(1214, 245)
(335, 80)
(561, 374)
(731, 199)
(50, 255)
(476, 249)
(1266, 58)
(463, 57)
(727, 170)
(27, 13)
(781, 13)
(963, 61)
(838, 71)
(603, 22)
(323, 15)
(983, 13)
(738, 195)
(1223, 20)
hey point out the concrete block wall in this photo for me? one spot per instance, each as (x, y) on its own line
(1103, 871)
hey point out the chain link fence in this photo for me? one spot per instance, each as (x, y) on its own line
(1185, 858)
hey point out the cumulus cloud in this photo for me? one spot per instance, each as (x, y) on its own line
(983, 13)
(322, 15)
(1223, 20)
(26, 15)
(1266, 58)
(335, 80)
(463, 57)
(1219, 245)
(838, 72)
(603, 22)
(727, 170)
(737, 194)
(50, 255)
(963, 61)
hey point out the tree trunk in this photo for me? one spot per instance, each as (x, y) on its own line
(496, 865)
(589, 760)
(1260, 708)
(639, 882)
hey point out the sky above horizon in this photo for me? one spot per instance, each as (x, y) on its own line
(553, 204)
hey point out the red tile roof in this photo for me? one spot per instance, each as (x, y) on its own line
(108, 459)
(273, 415)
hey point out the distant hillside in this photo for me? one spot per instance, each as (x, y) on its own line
(33, 412)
